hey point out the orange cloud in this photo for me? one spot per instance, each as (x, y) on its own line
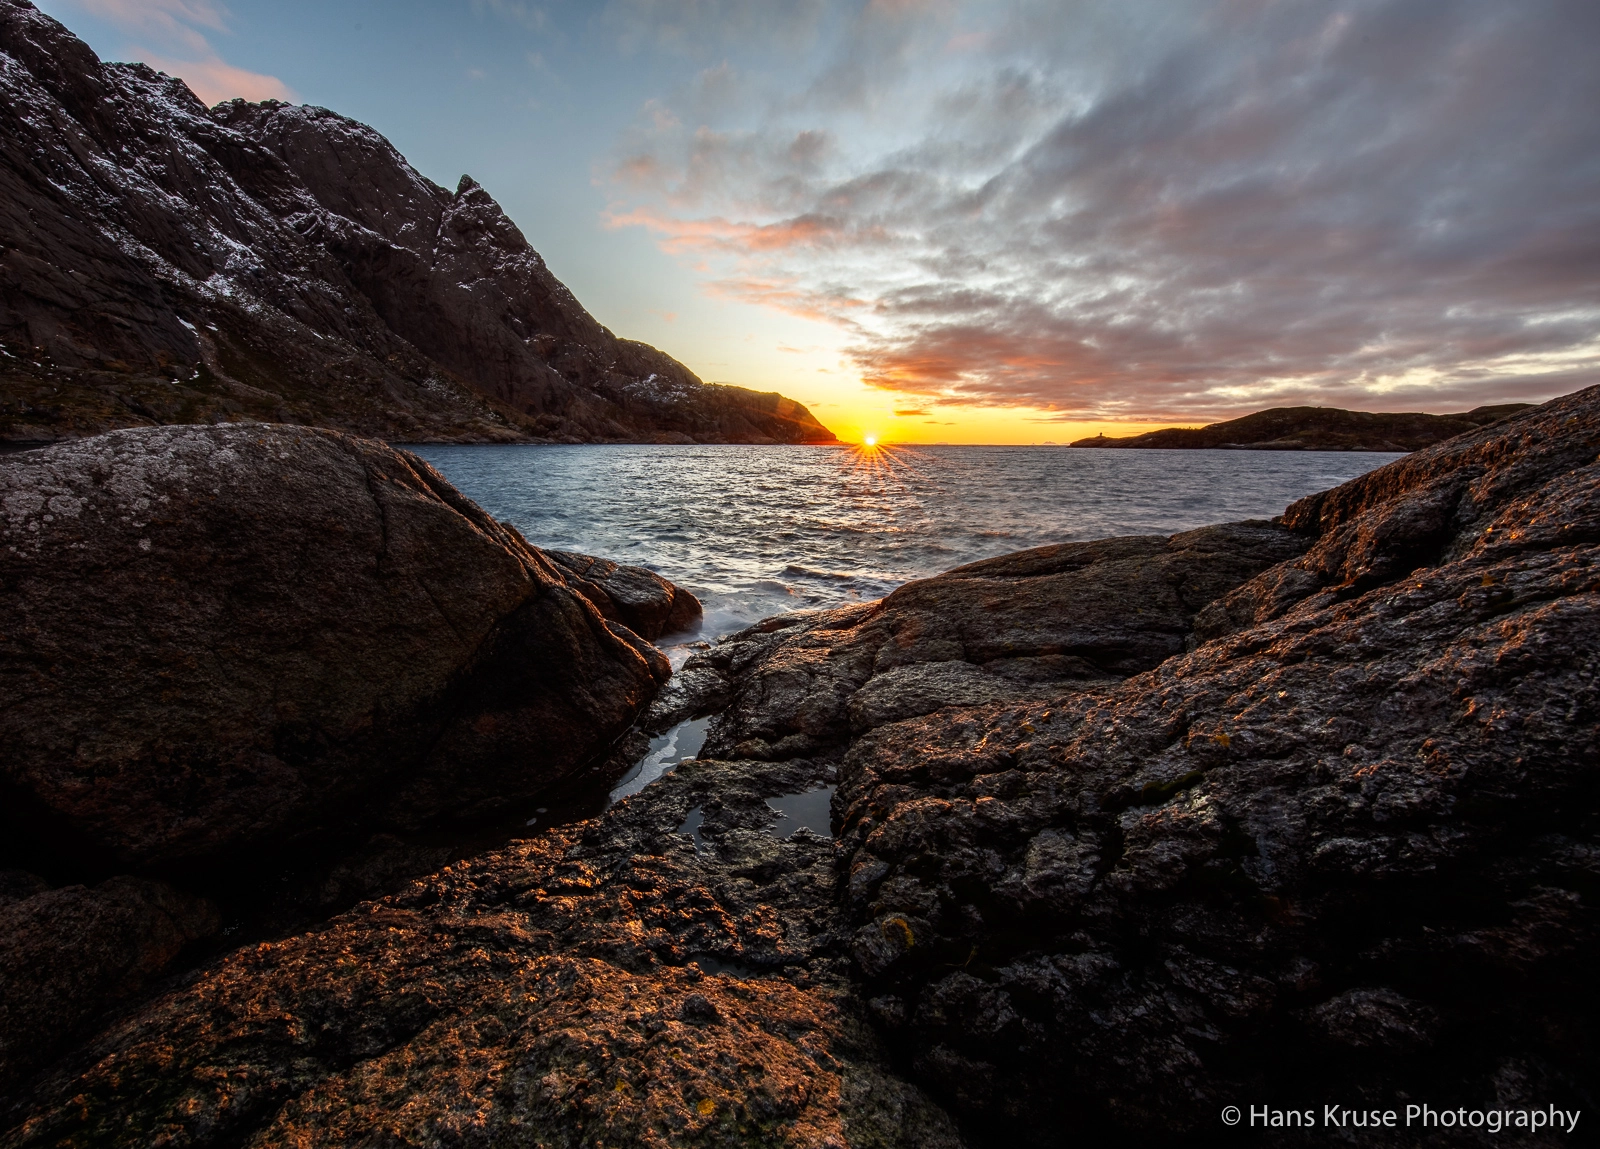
(716, 234)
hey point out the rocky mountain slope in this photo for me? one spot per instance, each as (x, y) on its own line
(1314, 429)
(161, 262)
(1123, 832)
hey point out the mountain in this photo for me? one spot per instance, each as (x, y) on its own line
(162, 262)
(1315, 429)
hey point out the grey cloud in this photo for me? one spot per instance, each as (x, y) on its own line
(1169, 211)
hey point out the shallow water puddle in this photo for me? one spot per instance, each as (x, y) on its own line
(679, 744)
(711, 965)
(691, 826)
(808, 810)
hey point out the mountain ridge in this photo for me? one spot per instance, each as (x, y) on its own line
(1314, 429)
(165, 262)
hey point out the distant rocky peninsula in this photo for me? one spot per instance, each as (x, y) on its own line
(162, 262)
(1313, 429)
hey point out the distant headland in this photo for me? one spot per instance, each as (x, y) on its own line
(1314, 429)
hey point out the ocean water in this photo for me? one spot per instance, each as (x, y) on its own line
(758, 531)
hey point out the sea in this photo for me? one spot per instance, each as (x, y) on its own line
(759, 531)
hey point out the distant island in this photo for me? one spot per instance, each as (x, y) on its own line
(1314, 429)
(162, 262)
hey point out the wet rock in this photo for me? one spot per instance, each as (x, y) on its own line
(217, 638)
(641, 600)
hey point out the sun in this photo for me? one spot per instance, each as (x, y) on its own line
(869, 440)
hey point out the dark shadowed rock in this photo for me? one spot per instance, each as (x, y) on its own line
(1315, 429)
(66, 954)
(215, 638)
(161, 262)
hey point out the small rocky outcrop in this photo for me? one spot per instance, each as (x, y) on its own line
(214, 638)
(642, 600)
(162, 262)
(1025, 625)
(1314, 429)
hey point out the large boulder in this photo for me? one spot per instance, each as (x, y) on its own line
(1345, 851)
(217, 637)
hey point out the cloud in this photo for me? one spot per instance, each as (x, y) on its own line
(215, 80)
(1158, 211)
(180, 29)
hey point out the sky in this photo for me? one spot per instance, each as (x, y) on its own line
(1011, 221)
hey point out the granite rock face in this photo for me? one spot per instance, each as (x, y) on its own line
(218, 638)
(161, 262)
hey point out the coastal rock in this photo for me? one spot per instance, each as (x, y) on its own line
(67, 954)
(214, 639)
(641, 600)
(618, 983)
(1025, 625)
(162, 262)
(1345, 849)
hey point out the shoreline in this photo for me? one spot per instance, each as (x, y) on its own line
(1033, 761)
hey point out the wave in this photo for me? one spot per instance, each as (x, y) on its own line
(794, 571)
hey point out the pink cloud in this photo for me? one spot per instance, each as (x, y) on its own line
(215, 80)
(179, 27)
